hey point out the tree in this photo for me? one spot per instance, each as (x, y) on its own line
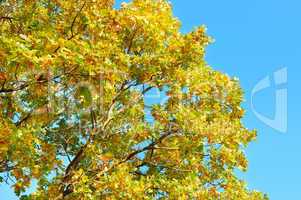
(75, 79)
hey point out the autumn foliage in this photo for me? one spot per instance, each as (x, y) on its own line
(76, 114)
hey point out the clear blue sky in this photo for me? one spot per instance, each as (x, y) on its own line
(253, 39)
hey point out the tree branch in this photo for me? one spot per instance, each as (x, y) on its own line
(134, 153)
(74, 20)
(27, 84)
(10, 19)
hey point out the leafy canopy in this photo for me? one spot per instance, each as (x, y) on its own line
(77, 116)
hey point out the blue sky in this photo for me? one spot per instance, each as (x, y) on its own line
(253, 39)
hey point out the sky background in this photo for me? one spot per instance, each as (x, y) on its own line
(253, 39)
